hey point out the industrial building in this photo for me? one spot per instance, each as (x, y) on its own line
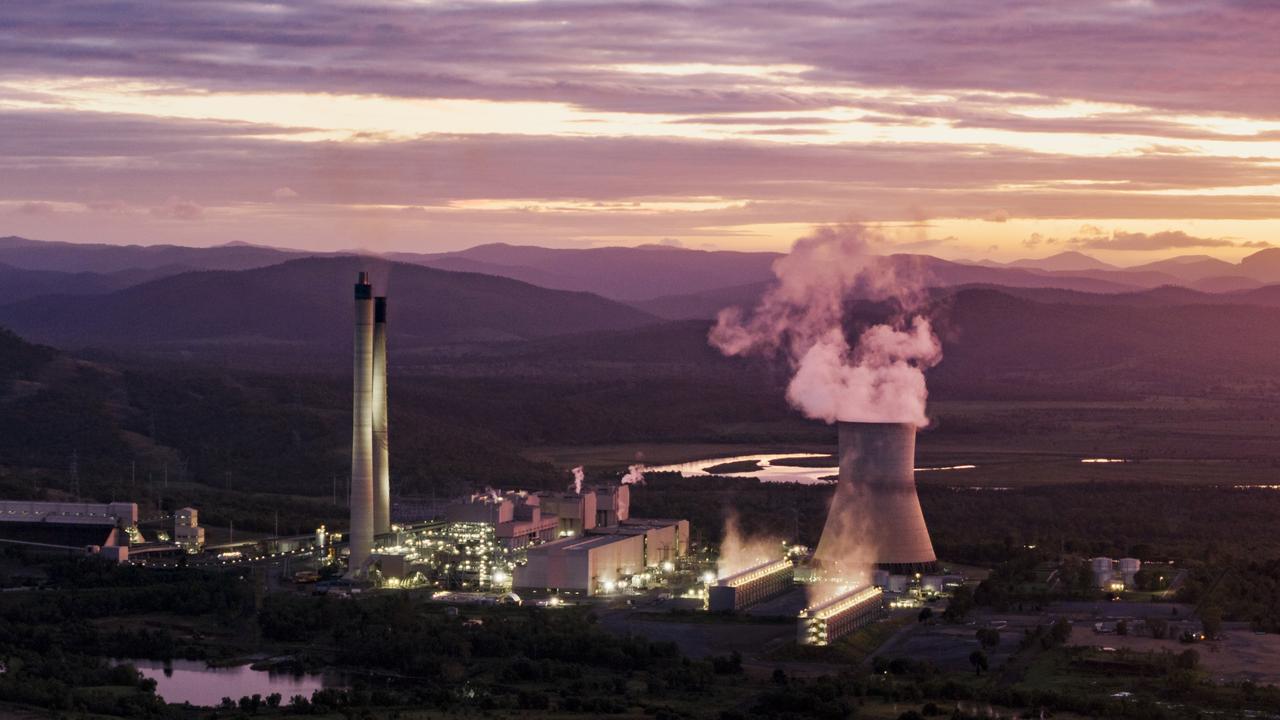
(519, 519)
(875, 504)
(753, 585)
(604, 559)
(186, 529)
(599, 544)
(103, 529)
(1113, 575)
(588, 565)
(832, 619)
(664, 540)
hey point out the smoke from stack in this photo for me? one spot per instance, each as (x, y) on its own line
(381, 452)
(578, 476)
(634, 476)
(877, 378)
(739, 552)
(361, 543)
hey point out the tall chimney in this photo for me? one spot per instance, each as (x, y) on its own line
(361, 543)
(381, 468)
(875, 515)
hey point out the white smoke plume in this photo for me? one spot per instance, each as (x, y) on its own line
(739, 552)
(634, 476)
(880, 377)
(578, 476)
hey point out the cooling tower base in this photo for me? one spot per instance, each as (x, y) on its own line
(923, 568)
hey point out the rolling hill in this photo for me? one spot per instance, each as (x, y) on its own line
(102, 258)
(1026, 343)
(304, 304)
(620, 273)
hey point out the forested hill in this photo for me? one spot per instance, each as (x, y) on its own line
(112, 431)
(305, 305)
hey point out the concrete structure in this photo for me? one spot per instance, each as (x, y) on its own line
(832, 619)
(1114, 576)
(361, 531)
(70, 528)
(489, 508)
(120, 514)
(613, 504)
(576, 512)
(186, 529)
(753, 585)
(591, 566)
(875, 514)
(381, 458)
(664, 540)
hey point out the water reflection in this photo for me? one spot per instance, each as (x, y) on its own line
(180, 681)
(769, 469)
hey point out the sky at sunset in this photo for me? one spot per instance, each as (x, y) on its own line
(1132, 130)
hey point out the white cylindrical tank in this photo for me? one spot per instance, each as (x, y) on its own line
(1129, 568)
(1102, 571)
(361, 539)
(381, 469)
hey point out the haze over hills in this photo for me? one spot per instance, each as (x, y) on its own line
(103, 258)
(1046, 343)
(305, 303)
(19, 284)
(670, 282)
(1068, 261)
(621, 273)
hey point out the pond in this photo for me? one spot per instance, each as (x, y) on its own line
(193, 681)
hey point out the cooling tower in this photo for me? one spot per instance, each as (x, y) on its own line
(875, 516)
(381, 470)
(361, 541)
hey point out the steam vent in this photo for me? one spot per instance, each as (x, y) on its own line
(875, 516)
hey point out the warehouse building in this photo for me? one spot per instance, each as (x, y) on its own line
(94, 528)
(591, 565)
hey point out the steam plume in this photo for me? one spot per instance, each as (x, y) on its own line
(578, 476)
(634, 476)
(880, 378)
(739, 552)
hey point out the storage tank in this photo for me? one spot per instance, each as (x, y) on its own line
(1129, 567)
(1102, 568)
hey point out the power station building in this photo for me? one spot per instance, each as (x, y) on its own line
(595, 551)
(875, 515)
(102, 529)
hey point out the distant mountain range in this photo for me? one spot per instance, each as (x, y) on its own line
(621, 273)
(656, 281)
(305, 304)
